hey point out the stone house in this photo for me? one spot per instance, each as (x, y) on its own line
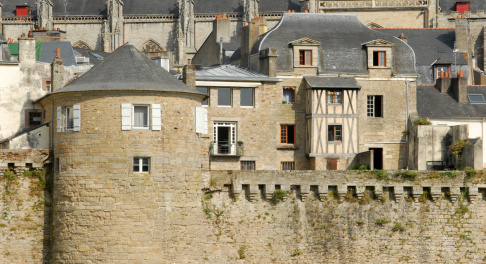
(340, 95)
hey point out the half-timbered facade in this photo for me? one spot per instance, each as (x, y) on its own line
(332, 120)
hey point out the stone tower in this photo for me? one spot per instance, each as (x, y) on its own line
(44, 13)
(113, 26)
(185, 31)
(127, 163)
(250, 9)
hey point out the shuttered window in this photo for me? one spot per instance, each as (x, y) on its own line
(141, 117)
(201, 120)
(68, 118)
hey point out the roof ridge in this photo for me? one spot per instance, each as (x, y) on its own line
(416, 28)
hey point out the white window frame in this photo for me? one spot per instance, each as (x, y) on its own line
(147, 108)
(371, 110)
(67, 111)
(140, 160)
(233, 135)
(62, 118)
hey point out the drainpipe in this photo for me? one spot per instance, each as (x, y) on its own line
(436, 13)
(406, 125)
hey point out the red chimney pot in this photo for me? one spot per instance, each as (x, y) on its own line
(58, 52)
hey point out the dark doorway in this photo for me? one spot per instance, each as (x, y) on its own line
(377, 158)
(223, 139)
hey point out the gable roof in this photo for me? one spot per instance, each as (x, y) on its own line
(332, 82)
(433, 104)
(305, 41)
(341, 38)
(127, 69)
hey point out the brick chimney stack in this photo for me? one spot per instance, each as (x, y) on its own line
(57, 71)
(249, 37)
(27, 51)
(459, 88)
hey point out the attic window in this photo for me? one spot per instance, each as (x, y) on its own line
(305, 57)
(379, 58)
(476, 98)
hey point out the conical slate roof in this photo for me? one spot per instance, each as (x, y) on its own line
(127, 69)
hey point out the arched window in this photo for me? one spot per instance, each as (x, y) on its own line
(82, 45)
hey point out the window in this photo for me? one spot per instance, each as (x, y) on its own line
(374, 106)
(224, 136)
(224, 96)
(334, 97)
(141, 164)
(379, 58)
(33, 117)
(476, 98)
(288, 94)
(68, 118)
(287, 165)
(22, 10)
(204, 90)
(287, 134)
(140, 116)
(247, 165)
(462, 7)
(439, 68)
(48, 86)
(334, 133)
(246, 97)
(305, 57)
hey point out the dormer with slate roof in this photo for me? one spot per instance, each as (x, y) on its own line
(379, 54)
(306, 52)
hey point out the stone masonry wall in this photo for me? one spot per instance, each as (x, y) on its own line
(24, 206)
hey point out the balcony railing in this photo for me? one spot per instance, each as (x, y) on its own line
(372, 3)
(226, 149)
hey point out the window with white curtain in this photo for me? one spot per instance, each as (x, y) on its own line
(140, 116)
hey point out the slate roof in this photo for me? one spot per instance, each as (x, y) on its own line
(332, 82)
(127, 69)
(430, 45)
(342, 38)
(232, 73)
(138, 7)
(48, 52)
(89, 54)
(450, 5)
(433, 104)
(3, 39)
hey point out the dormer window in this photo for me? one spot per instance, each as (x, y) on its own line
(305, 57)
(305, 52)
(379, 58)
(380, 54)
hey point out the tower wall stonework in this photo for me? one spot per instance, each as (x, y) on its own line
(106, 213)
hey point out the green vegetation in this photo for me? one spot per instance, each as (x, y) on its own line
(382, 221)
(279, 194)
(424, 197)
(406, 175)
(241, 252)
(456, 148)
(470, 172)
(359, 166)
(296, 252)
(324, 226)
(398, 227)
(381, 175)
(421, 121)
(208, 196)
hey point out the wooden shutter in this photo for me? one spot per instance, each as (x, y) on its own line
(126, 113)
(201, 120)
(76, 117)
(59, 119)
(156, 117)
(331, 164)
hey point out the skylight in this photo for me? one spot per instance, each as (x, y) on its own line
(97, 56)
(476, 98)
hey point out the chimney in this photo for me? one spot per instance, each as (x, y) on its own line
(249, 37)
(189, 75)
(261, 23)
(462, 33)
(403, 38)
(459, 88)
(27, 51)
(444, 83)
(222, 29)
(164, 59)
(268, 62)
(57, 71)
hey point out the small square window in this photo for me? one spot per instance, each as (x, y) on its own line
(287, 134)
(379, 58)
(288, 94)
(374, 106)
(476, 98)
(140, 116)
(246, 97)
(68, 116)
(334, 97)
(439, 68)
(334, 133)
(248, 165)
(287, 165)
(224, 96)
(35, 118)
(204, 90)
(305, 57)
(141, 164)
